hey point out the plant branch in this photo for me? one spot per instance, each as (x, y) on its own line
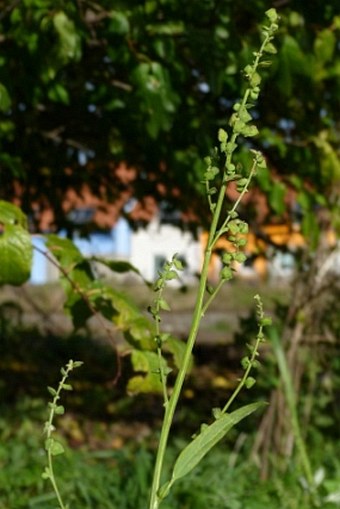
(91, 308)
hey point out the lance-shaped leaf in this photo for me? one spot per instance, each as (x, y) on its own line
(192, 454)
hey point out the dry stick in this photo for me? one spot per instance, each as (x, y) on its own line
(90, 307)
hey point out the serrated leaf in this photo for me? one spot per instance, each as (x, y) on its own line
(193, 453)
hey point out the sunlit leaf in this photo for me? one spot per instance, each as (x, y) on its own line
(147, 364)
(193, 453)
(16, 250)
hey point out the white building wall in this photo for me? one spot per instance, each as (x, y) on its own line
(161, 241)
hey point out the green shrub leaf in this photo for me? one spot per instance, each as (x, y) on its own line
(16, 249)
(147, 365)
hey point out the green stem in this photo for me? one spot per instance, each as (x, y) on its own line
(241, 383)
(200, 307)
(162, 375)
(53, 481)
(171, 404)
(49, 428)
(212, 296)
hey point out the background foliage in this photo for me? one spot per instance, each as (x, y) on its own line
(150, 83)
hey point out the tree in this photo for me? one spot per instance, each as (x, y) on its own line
(149, 85)
(85, 85)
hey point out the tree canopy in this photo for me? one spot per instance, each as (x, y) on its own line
(84, 85)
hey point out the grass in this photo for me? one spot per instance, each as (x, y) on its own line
(109, 478)
(114, 435)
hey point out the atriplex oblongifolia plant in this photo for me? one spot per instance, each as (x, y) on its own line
(86, 295)
(221, 170)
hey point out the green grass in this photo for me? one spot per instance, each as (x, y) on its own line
(108, 478)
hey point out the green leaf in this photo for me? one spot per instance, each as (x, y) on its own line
(46, 473)
(270, 48)
(67, 387)
(272, 15)
(5, 100)
(11, 214)
(171, 274)
(222, 136)
(59, 410)
(140, 333)
(54, 447)
(52, 391)
(119, 23)
(69, 39)
(147, 364)
(119, 266)
(64, 250)
(277, 196)
(170, 28)
(16, 253)
(164, 305)
(249, 131)
(193, 453)
(178, 264)
(58, 93)
(324, 46)
(177, 348)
